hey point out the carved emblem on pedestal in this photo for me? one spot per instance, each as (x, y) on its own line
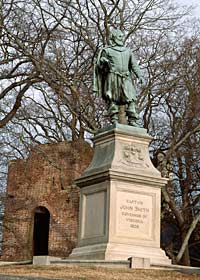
(133, 155)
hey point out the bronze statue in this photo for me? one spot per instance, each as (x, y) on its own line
(113, 78)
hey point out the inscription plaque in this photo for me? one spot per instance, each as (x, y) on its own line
(134, 217)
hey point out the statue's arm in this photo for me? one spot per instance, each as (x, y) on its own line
(136, 69)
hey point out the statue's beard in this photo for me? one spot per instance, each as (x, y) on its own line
(119, 42)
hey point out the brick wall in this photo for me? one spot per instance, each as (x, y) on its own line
(44, 179)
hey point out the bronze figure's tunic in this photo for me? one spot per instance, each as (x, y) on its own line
(113, 78)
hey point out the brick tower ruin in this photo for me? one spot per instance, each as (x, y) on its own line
(41, 214)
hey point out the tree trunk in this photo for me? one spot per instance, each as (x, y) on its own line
(187, 237)
(185, 260)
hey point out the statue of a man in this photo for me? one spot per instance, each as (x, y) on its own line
(113, 78)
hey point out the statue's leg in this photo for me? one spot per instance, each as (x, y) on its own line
(132, 114)
(113, 111)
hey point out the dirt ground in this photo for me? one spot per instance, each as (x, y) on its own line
(94, 273)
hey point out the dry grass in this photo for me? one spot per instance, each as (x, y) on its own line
(94, 273)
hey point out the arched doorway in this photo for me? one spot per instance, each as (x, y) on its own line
(41, 231)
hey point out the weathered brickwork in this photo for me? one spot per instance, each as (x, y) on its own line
(44, 179)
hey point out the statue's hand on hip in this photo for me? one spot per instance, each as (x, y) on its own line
(105, 64)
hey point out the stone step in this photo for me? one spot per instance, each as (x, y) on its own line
(96, 263)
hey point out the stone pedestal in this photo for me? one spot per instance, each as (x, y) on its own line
(120, 199)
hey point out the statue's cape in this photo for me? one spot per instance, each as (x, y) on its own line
(97, 77)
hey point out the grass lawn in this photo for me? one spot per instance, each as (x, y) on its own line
(94, 273)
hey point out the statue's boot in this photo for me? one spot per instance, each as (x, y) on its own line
(113, 112)
(132, 114)
(133, 122)
(114, 118)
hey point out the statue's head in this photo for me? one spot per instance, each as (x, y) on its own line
(117, 37)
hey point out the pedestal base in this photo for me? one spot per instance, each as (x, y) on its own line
(120, 200)
(120, 252)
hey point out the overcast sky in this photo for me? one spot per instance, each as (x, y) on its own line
(195, 3)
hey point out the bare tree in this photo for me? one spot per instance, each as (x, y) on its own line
(47, 49)
(179, 141)
(55, 44)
